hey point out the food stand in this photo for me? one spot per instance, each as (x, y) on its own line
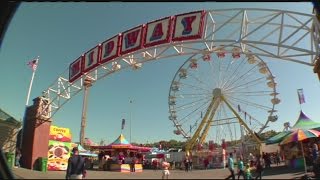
(121, 153)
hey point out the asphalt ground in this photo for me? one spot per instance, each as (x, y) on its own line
(275, 172)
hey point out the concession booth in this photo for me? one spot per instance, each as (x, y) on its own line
(120, 154)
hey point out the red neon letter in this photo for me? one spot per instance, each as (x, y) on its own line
(108, 48)
(75, 68)
(187, 24)
(157, 32)
(131, 38)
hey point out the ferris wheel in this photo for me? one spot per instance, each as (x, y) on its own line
(219, 95)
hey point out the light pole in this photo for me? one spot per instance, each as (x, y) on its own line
(87, 83)
(130, 109)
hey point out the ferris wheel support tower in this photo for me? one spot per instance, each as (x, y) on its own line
(316, 10)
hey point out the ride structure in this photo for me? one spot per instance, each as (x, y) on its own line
(219, 84)
(258, 33)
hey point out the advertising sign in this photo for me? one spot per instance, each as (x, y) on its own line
(58, 155)
(60, 134)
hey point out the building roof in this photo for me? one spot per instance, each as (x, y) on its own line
(6, 118)
(9, 127)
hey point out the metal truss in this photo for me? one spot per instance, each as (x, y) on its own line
(283, 35)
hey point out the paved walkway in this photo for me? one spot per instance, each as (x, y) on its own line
(280, 172)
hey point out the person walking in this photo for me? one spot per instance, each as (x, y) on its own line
(248, 174)
(132, 164)
(76, 166)
(231, 167)
(241, 168)
(165, 169)
(190, 163)
(278, 158)
(155, 165)
(259, 167)
(17, 159)
(186, 164)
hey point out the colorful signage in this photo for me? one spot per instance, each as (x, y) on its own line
(91, 59)
(188, 26)
(182, 27)
(132, 40)
(110, 48)
(75, 70)
(60, 134)
(58, 155)
(158, 32)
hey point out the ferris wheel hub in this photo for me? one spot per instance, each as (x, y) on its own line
(217, 92)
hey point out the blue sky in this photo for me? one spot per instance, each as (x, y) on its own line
(60, 32)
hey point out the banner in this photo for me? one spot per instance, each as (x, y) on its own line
(123, 123)
(59, 134)
(301, 96)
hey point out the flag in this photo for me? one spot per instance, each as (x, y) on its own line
(123, 123)
(301, 96)
(33, 64)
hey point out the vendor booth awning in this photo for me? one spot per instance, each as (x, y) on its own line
(83, 151)
(303, 122)
(277, 138)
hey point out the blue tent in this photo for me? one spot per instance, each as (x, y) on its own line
(84, 152)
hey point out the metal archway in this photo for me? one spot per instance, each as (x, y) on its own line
(266, 33)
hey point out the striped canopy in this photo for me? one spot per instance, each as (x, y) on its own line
(304, 122)
(300, 135)
(120, 142)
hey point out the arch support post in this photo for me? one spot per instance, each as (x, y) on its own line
(36, 134)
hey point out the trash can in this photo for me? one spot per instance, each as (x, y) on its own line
(43, 164)
(10, 159)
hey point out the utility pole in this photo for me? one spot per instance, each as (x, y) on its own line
(86, 84)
